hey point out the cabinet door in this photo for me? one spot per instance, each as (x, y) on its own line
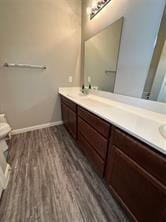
(138, 191)
(65, 115)
(72, 123)
(146, 157)
(69, 119)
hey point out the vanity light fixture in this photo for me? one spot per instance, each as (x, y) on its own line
(96, 7)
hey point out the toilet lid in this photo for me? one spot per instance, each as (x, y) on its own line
(4, 129)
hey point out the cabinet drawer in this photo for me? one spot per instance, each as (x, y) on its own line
(69, 103)
(98, 142)
(151, 161)
(99, 124)
(91, 154)
(140, 193)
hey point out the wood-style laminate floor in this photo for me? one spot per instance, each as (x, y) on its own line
(51, 181)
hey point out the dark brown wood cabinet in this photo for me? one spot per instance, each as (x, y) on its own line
(96, 122)
(97, 162)
(97, 141)
(93, 138)
(134, 180)
(134, 172)
(69, 116)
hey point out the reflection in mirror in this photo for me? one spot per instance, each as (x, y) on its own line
(101, 57)
(155, 86)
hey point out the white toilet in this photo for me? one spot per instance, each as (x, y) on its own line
(5, 130)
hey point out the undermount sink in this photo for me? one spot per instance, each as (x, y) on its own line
(79, 95)
(162, 130)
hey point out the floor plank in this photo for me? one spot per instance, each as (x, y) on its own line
(52, 181)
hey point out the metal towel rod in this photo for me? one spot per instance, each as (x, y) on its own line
(24, 66)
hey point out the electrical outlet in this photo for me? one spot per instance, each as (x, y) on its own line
(70, 79)
(89, 79)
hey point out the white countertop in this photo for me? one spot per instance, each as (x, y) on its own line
(138, 122)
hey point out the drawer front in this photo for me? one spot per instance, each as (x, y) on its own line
(69, 103)
(151, 161)
(91, 155)
(140, 193)
(98, 142)
(99, 124)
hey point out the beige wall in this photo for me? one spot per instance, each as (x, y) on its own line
(141, 25)
(38, 32)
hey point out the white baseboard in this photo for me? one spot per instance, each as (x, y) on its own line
(32, 128)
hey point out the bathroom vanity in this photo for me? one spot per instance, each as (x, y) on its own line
(133, 167)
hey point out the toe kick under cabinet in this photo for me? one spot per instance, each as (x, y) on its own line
(135, 173)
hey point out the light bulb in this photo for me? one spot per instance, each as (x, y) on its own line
(94, 4)
(88, 10)
(103, 1)
(97, 5)
(100, 2)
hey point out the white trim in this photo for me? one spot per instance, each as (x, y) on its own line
(32, 128)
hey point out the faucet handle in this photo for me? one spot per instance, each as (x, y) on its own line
(83, 88)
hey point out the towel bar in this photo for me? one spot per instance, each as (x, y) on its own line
(24, 66)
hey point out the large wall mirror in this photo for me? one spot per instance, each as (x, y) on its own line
(155, 86)
(101, 57)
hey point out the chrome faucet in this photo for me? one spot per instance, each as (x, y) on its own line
(84, 90)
